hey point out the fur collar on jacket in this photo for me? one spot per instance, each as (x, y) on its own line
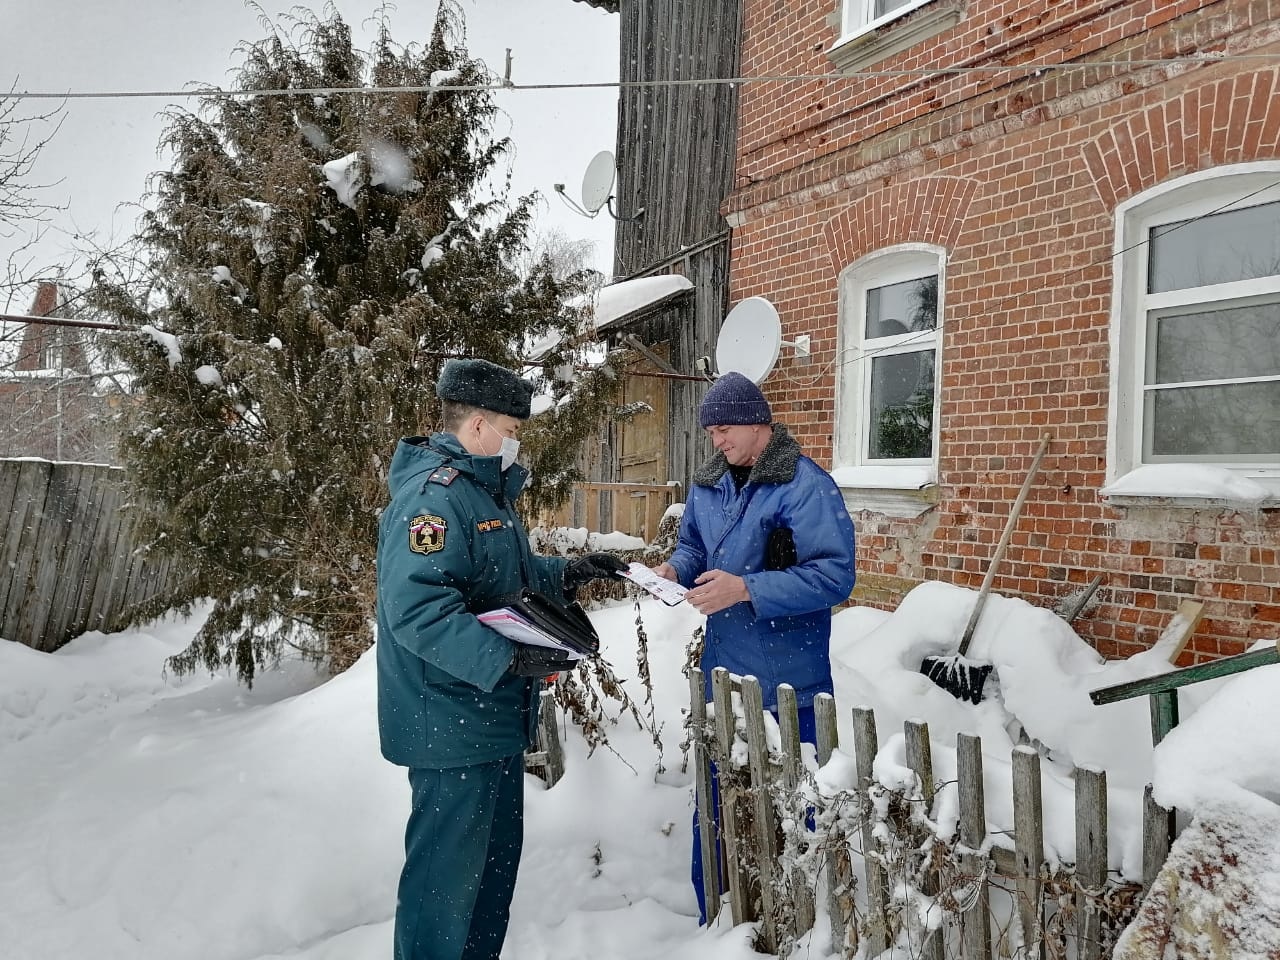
(776, 463)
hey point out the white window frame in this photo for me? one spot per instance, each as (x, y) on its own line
(852, 466)
(1187, 197)
(858, 16)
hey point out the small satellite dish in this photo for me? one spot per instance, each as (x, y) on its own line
(749, 339)
(597, 182)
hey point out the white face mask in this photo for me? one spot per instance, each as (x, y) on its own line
(509, 448)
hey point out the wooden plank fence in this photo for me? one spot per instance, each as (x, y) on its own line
(68, 558)
(631, 508)
(872, 855)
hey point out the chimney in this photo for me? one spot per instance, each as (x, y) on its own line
(39, 341)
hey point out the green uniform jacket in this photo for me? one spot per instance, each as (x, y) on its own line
(450, 545)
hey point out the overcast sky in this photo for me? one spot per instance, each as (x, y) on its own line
(105, 149)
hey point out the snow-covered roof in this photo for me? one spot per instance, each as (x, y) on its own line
(618, 303)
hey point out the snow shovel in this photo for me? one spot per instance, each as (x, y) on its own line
(956, 674)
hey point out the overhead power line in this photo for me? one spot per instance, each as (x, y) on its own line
(504, 85)
(60, 322)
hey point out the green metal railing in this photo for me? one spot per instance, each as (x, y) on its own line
(1163, 689)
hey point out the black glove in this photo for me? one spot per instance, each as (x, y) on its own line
(594, 566)
(531, 661)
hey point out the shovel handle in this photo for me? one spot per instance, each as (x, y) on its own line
(1002, 545)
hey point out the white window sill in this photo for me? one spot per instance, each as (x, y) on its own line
(906, 491)
(892, 478)
(1195, 486)
(881, 40)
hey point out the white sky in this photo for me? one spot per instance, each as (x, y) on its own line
(152, 818)
(106, 148)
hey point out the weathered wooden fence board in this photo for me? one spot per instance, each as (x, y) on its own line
(1157, 828)
(1028, 832)
(31, 488)
(920, 760)
(547, 759)
(68, 561)
(1091, 860)
(975, 921)
(792, 764)
(735, 861)
(709, 834)
(866, 743)
(840, 901)
(764, 815)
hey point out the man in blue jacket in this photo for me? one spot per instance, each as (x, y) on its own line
(766, 547)
(456, 700)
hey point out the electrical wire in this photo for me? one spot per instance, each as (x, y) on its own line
(498, 86)
(1067, 277)
(809, 381)
(505, 85)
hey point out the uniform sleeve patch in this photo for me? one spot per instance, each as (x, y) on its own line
(484, 526)
(426, 533)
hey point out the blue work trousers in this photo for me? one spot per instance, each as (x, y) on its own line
(462, 850)
(808, 734)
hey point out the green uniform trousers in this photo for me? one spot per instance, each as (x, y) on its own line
(462, 850)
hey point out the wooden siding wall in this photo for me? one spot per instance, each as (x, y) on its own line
(675, 142)
(675, 159)
(690, 331)
(67, 554)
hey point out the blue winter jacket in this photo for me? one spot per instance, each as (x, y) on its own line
(449, 546)
(783, 634)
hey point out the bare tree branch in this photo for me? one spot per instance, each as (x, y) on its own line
(22, 137)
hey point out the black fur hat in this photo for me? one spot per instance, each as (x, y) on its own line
(479, 383)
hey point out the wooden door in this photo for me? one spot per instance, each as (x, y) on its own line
(642, 445)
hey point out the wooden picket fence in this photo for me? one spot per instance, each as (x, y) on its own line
(776, 835)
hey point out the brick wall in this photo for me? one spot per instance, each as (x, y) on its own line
(49, 405)
(1018, 177)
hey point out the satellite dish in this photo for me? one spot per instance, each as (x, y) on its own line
(597, 182)
(749, 339)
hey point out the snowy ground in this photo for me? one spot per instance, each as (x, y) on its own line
(150, 817)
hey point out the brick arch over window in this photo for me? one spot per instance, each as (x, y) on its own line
(928, 210)
(1232, 121)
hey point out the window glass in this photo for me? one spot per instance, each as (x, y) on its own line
(858, 14)
(1235, 420)
(901, 396)
(906, 307)
(901, 411)
(1216, 344)
(1221, 247)
(881, 7)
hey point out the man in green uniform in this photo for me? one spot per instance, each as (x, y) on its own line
(456, 700)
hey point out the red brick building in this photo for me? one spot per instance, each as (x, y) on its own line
(1009, 219)
(50, 405)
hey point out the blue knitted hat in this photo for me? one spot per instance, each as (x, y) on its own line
(479, 383)
(733, 399)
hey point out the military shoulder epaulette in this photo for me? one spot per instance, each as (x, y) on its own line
(443, 476)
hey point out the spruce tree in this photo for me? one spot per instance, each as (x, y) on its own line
(314, 258)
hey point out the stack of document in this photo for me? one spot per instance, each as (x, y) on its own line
(535, 619)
